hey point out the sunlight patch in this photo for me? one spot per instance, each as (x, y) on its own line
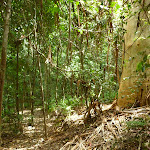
(77, 119)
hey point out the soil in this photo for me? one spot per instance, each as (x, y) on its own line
(107, 130)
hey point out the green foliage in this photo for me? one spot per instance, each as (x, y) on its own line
(140, 122)
(144, 63)
(40, 26)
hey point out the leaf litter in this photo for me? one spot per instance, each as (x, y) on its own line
(110, 129)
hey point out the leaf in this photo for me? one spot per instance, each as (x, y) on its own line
(110, 11)
(113, 4)
(81, 31)
(147, 65)
(145, 58)
(148, 36)
(143, 68)
(55, 9)
(117, 6)
(129, 5)
(139, 66)
(134, 124)
(142, 38)
(77, 2)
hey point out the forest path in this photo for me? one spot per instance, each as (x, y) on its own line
(107, 131)
(32, 138)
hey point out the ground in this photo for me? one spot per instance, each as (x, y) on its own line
(128, 129)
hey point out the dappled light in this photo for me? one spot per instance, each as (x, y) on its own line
(75, 75)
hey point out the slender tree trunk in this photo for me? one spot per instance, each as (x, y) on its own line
(32, 79)
(81, 53)
(42, 94)
(108, 55)
(56, 92)
(71, 85)
(49, 85)
(104, 81)
(69, 38)
(3, 58)
(78, 12)
(24, 93)
(41, 78)
(64, 87)
(17, 85)
(46, 86)
(31, 99)
(7, 93)
(32, 82)
(117, 78)
(82, 65)
(17, 78)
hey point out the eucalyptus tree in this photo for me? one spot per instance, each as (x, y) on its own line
(6, 18)
(134, 85)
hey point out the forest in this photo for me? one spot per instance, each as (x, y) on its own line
(75, 74)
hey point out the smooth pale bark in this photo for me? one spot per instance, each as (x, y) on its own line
(3, 57)
(134, 85)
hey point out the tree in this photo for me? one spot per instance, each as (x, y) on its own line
(134, 83)
(3, 57)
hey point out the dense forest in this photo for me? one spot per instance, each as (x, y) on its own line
(75, 74)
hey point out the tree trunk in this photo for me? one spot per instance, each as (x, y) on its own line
(42, 94)
(69, 37)
(32, 83)
(24, 93)
(71, 84)
(134, 83)
(56, 91)
(17, 78)
(41, 78)
(116, 63)
(46, 87)
(3, 58)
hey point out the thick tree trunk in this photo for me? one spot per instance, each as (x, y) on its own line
(3, 57)
(134, 84)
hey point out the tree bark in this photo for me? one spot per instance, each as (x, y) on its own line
(3, 58)
(56, 90)
(17, 78)
(42, 94)
(134, 84)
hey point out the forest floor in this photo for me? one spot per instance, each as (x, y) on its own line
(128, 129)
